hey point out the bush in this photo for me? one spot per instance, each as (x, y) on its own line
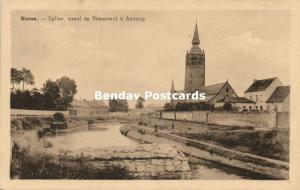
(14, 123)
(227, 106)
(182, 106)
(168, 107)
(59, 116)
(141, 131)
(40, 133)
(91, 122)
(40, 165)
(26, 125)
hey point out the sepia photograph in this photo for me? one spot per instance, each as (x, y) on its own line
(141, 94)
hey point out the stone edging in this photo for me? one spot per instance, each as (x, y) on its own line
(266, 166)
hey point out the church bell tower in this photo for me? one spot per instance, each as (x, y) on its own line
(194, 66)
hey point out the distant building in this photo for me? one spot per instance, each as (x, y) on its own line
(240, 103)
(280, 99)
(260, 91)
(154, 107)
(88, 108)
(151, 108)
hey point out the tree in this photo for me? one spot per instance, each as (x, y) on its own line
(140, 103)
(123, 105)
(113, 105)
(51, 93)
(26, 77)
(15, 77)
(37, 99)
(68, 89)
(118, 105)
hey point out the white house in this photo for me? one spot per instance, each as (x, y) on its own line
(260, 91)
(280, 99)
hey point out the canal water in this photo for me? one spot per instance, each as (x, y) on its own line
(109, 135)
(97, 136)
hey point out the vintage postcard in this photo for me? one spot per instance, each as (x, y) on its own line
(173, 95)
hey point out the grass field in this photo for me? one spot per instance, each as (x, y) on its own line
(270, 143)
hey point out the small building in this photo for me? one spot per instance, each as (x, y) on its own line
(239, 103)
(280, 99)
(260, 91)
(88, 108)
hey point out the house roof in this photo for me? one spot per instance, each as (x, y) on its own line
(279, 94)
(208, 90)
(237, 100)
(212, 89)
(260, 85)
(88, 103)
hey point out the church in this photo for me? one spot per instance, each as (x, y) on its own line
(195, 77)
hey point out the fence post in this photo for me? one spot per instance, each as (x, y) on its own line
(276, 119)
(207, 117)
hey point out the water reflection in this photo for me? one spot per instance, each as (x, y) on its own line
(97, 136)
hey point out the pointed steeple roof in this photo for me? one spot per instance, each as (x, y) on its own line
(172, 87)
(196, 40)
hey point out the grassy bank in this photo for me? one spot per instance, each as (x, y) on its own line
(29, 123)
(272, 143)
(38, 165)
(212, 151)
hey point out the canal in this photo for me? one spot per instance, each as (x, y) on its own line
(101, 135)
(107, 135)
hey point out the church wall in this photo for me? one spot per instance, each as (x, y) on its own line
(227, 90)
(223, 118)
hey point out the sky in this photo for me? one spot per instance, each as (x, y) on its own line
(240, 46)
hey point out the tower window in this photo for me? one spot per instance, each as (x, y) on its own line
(194, 60)
(227, 89)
